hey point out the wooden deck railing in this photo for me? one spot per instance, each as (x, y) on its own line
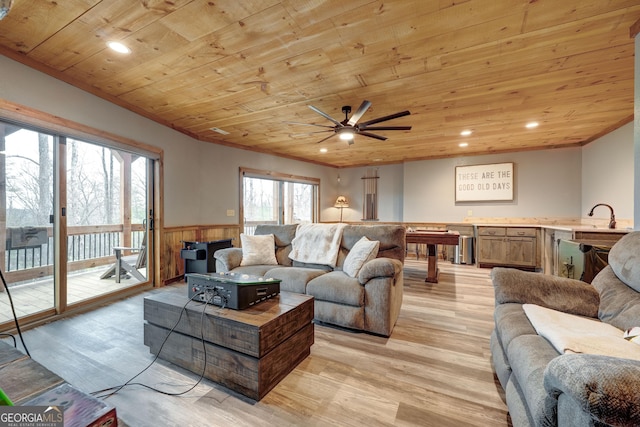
(87, 247)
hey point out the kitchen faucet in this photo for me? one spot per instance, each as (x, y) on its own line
(612, 221)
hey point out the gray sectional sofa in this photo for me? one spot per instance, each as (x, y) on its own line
(369, 302)
(548, 387)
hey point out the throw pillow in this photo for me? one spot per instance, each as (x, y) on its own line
(364, 250)
(258, 250)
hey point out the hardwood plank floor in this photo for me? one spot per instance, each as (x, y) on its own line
(434, 370)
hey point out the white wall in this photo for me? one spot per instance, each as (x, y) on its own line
(390, 191)
(560, 183)
(546, 184)
(607, 174)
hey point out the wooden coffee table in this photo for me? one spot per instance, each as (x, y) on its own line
(248, 351)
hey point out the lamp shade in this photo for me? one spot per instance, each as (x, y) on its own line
(341, 202)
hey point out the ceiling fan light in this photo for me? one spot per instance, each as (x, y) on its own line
(346, 135)
(349, 127)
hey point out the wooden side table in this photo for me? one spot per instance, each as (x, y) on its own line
(432, 239)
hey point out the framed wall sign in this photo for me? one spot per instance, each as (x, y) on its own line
(490, 182)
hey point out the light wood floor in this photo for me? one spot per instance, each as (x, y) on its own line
(434, 370)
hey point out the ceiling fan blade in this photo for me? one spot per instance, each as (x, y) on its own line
(324, 139)
(308, 124)
(385, 128)
(300, 135)
(359, 113)
(373, 135)
(326, 116)
(385, 118)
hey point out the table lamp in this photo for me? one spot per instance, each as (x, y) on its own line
(341, 203)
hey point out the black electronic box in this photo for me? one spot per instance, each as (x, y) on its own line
(198, 256)
(231, 290)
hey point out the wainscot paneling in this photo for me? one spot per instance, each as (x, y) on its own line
(172, 266)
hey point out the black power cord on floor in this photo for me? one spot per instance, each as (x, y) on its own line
(116, 389)
(15, 343)
(15, 317)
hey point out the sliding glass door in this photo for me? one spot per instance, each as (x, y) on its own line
(27, 246)
(75, 218)
(106, 222)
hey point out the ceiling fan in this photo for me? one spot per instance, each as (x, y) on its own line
(349, 127)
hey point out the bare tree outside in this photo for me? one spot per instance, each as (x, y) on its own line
(91, 185)
(91, 176)
(29, 179)
(301, 202)
(260, 200)
(276, 202)
(45, 179)
(139, 187)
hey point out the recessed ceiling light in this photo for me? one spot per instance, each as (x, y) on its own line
(531, 125)
(323, 150)
(118, 47)
(463, 144)
(466, 132)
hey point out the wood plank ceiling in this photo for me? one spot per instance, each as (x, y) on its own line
(248, 67)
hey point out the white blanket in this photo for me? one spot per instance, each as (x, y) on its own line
(569, 333)
(317, 243)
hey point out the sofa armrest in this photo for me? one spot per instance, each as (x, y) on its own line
(379, 267)
(606, 387)
(227, 259)
(558, 293)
